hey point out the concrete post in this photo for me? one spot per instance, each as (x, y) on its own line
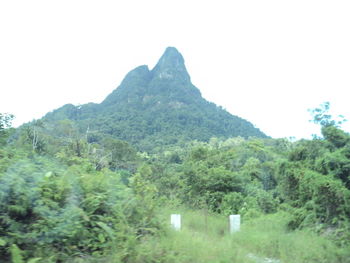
(175, 221)
(235, 223)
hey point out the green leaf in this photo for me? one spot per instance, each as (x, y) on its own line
(16, 254)
(101, 238)
(34, 260)
(2, 242)
(106, 228)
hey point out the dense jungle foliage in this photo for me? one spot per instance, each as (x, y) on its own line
(67, 198)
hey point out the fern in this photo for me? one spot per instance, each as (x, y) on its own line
(34, 260)
(16, 254)
(2, 242)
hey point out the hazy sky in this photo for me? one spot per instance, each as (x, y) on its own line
(265, 61)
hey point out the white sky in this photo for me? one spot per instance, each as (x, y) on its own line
(265, 61)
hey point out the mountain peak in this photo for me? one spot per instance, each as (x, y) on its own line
(171, 65)
(172, 56)
(157, 107)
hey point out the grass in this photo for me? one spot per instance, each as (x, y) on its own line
(267, 236)
(205, 237)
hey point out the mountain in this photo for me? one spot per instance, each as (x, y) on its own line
(156, 107)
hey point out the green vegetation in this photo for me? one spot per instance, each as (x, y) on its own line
(5, 123)
(64, 198)
(204, 238)
(153, 109)
(76, 187)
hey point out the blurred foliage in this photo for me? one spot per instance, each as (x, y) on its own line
(68, 195)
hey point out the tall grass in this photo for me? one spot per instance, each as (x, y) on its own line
(205, 238)
(268, 236)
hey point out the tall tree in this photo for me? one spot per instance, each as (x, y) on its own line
(5, 123)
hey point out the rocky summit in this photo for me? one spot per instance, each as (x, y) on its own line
(157, 107)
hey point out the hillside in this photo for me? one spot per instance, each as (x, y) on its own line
(157, 107)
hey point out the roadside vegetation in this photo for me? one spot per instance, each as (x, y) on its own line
(67, 198)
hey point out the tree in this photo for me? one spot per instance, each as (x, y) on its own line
(330, 128)
(5, 120)
(34, 135)
(121, 154)
(322, 116)
(5, 123)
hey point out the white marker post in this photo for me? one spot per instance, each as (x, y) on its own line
(175, 221)
(235, 223)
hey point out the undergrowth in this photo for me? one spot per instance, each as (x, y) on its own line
(204, 237)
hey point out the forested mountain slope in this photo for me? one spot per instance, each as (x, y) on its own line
(156, 107)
